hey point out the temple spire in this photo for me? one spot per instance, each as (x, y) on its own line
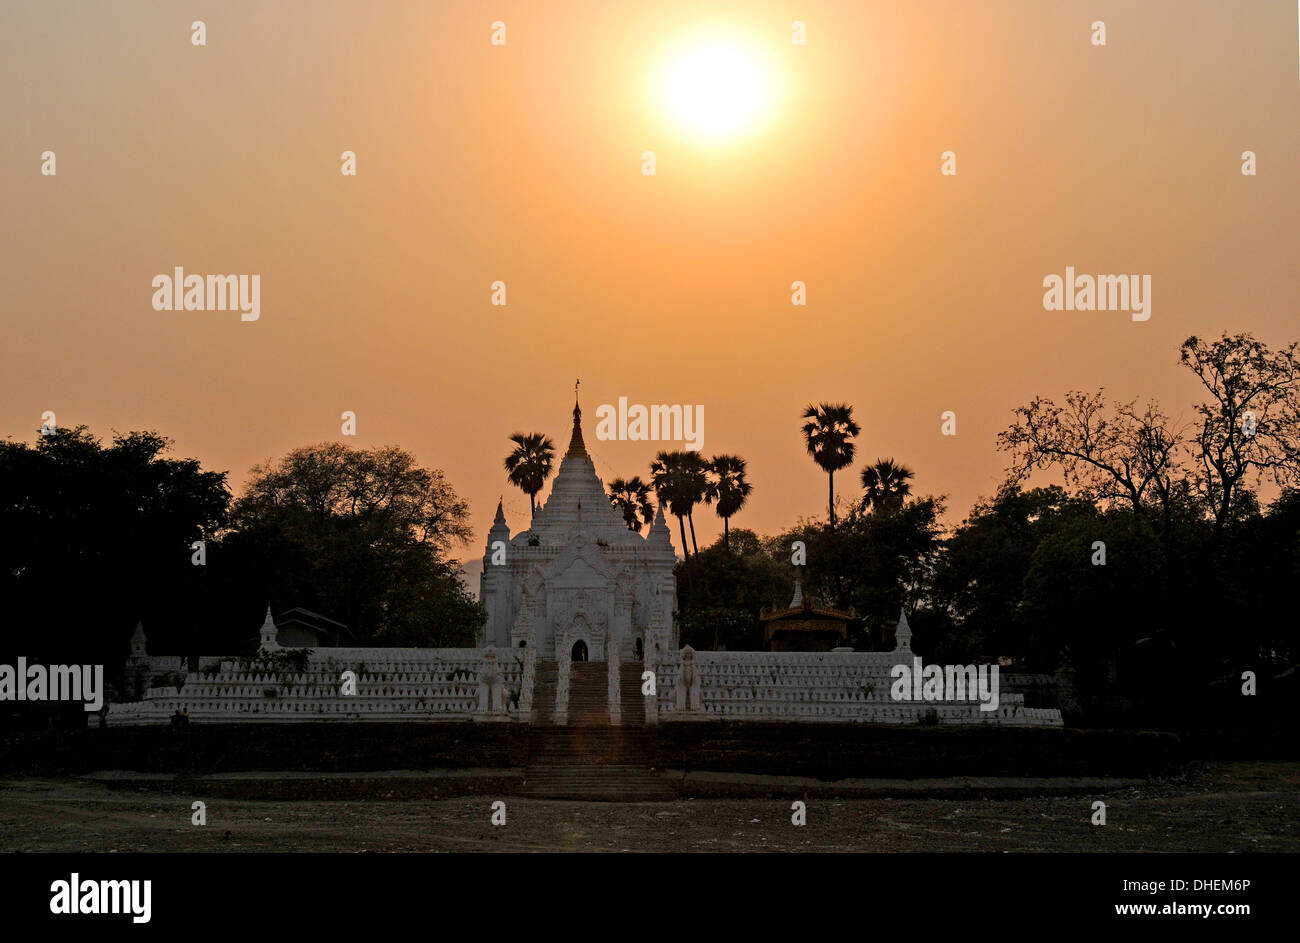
(903, 633)
(138, 641)
(577, 447)
(500, 529)
(270, 635)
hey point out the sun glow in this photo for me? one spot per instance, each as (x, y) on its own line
(715, 87)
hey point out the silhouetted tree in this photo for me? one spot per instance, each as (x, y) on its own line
(886, 485)
(1114, 454)
(362, 535)
(1250, 425)
(95, 538)
(631, 498)
(873, 563)
(828, 434)
(729, 488)
(979, 580)
(680, 483)
(721, 592)
(529, 464)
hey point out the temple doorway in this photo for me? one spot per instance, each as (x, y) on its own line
(579, 652)
(638, 649)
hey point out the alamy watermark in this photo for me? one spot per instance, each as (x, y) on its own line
(638, 423)
(26, 682)
(945, 683)
(76, 896)
(181, 292)
(1098, 293)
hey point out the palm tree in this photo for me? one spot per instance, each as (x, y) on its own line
(631, 498)
(729, 488)
(829, 433)
(696, 484)
(886, 484)
(672, 478)
(529, 465)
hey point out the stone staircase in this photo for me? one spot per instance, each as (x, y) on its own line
(631, 701)
(589, 759)
(545, 677)
(588, 693)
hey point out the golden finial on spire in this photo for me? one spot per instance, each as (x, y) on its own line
(576, 445)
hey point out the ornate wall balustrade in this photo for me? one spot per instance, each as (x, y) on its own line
(497, 684)
(815, 686)
(390, 684)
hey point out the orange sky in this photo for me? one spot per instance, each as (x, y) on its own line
(523, 163)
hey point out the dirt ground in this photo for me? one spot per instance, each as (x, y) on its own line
(1218, 807)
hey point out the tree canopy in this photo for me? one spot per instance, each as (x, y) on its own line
(94, 537)
(360, 535)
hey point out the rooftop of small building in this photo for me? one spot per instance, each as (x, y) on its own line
(803, 606)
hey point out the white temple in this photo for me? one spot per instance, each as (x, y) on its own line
(578, 580)
(576, 586)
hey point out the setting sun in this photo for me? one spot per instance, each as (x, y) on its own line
(714, 87)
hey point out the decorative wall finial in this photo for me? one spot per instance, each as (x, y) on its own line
(270, 635)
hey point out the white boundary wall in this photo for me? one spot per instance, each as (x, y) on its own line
(819, 686)
(392, 684)
(458, 684)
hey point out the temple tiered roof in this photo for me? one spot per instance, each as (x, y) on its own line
(579, 502)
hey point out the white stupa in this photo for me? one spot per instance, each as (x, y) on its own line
(578, 579)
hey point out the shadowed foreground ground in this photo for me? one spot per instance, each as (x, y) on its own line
(1218, 807)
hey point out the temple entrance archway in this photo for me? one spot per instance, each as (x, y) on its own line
(579, 652)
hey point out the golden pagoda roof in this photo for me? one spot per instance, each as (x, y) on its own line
(576, 446)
